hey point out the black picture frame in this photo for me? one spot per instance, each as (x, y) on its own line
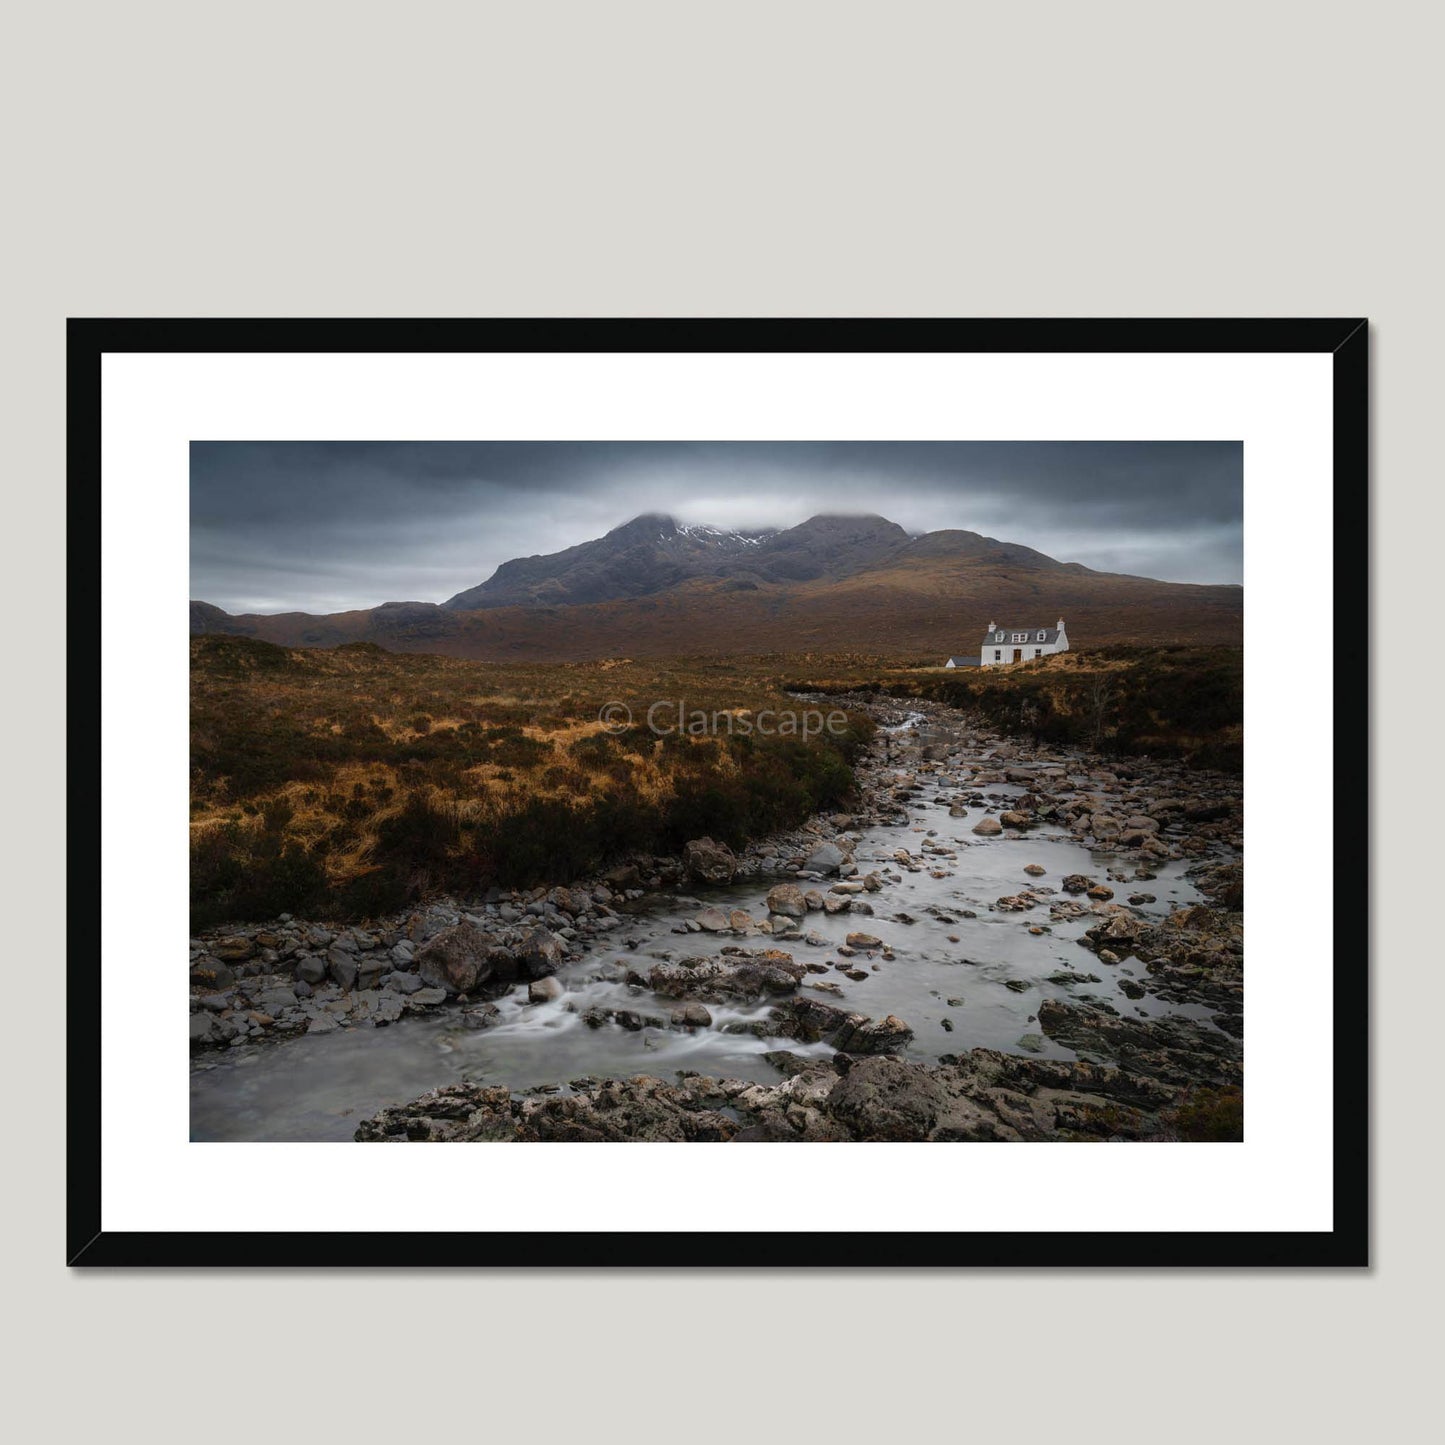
(88, 340)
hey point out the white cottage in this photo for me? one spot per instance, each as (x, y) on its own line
(1003, 645)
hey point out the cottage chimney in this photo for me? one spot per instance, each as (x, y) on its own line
(991, 625)
(1061, 624)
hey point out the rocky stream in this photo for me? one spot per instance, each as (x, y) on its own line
(1001, 941)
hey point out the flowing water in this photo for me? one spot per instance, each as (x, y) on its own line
(319, 1088)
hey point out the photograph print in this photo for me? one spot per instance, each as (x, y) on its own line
(716, 792)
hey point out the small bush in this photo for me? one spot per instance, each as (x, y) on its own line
(1211, 1116)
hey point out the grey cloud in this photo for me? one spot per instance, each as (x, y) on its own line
(328, 526)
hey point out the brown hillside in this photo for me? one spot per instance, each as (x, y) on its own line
(918, 605)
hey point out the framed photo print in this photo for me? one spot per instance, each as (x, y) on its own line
(832, 743)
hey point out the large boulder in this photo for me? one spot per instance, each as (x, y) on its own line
(740, 975)
(874, 1036)
(458, 959)
(787, 899)
(540, 953)
(887, 1099)
(827, 858)
(709, 862)
(210, 972)
(988, 827)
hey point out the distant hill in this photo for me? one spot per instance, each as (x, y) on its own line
(654, 587)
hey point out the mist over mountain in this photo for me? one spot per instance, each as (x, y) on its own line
(654, 552)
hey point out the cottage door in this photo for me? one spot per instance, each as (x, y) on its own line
(1018, 654)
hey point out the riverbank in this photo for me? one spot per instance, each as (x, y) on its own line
(920, 926)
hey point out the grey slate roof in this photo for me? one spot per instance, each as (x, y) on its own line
(965, 661)
(991, 639)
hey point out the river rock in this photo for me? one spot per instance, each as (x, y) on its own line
(341, 965)
(1077, 883)
(235, 949)
(888, 1099)
(541, 952)
(544, 990)
(714, 920)
(787, 899)
(988, 827)
(875, 1036)
(741, 975)
(387, 1009)
(274, 1000)
(457, 959)
(212, 973)
(863, 940)
(691, 1016)
(709, 862)
(311, 969)
(826, 859)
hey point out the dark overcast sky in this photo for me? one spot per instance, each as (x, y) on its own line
(328, 526)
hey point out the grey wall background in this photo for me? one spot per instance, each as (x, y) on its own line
(646, 159)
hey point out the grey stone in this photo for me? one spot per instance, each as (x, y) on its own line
(458, 959)
(540, 953)
(544, 990)
(341, 965)
(211, 971)
(387, 1009)
(709, 862)
(311, 969)
(787, 899)
(827, 858)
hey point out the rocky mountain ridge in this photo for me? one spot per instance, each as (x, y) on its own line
(657, 587)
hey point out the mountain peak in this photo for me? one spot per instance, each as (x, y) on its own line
(649, 522)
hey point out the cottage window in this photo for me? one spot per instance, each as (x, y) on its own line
(997, 655)
(1041, 634)
(1038, 652)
